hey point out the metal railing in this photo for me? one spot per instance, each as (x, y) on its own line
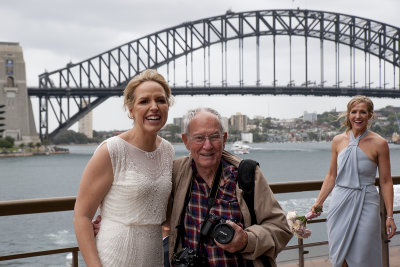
(316, 185)
(31, 206)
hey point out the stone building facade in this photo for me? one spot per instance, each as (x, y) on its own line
(18, 116)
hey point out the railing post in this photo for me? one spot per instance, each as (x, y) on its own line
(301, 252)
(74, 258)
(385, 241)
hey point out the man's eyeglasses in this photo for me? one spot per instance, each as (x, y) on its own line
(200, 139)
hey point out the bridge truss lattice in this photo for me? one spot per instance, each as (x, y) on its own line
(80, 87)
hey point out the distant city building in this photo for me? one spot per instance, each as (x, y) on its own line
(259, 117)
(239, 122)
(179, 122)
(115, 133)
(85, 125)
(288, 123)
(247, 137)
(18, 116)
(381, 121)
(251, 127)
(311, 117)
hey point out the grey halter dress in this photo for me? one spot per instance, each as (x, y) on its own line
(353, 220)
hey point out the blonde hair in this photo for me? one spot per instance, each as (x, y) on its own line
(147, 75)
(354, 101)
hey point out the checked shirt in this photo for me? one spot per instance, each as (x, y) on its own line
(226, 207)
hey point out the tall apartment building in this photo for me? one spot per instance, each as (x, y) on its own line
(238, 122)
(179, 122)
(85, 125)
(18, 116)
(311, 117)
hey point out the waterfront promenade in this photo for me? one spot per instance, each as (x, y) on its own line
(394, 258)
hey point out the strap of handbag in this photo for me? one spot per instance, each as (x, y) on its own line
(246, 172)
(246, 177)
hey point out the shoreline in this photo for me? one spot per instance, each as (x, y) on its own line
(31, 154)
(42, 151)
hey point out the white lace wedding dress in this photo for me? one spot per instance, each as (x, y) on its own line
(134, 208)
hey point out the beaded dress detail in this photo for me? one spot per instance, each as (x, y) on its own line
(135, 206)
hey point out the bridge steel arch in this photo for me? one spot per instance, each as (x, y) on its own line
(105, 75)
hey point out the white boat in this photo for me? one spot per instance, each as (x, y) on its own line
(239, 148)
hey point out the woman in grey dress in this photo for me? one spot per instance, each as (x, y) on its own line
(353, 220)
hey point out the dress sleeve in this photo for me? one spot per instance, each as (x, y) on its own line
(114, 150)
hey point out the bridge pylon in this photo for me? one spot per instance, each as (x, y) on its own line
(18, 116)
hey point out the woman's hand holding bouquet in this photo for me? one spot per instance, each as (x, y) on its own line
(298, 224)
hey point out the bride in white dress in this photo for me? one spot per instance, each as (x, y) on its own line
(129, 180)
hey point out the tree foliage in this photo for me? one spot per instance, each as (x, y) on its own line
(71, 137)
(5, 143)
(10, 139)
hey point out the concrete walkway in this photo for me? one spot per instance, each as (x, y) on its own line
(394, 258)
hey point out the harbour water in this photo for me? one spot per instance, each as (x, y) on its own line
(59, 175)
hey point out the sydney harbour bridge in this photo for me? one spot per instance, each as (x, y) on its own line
(265, 52)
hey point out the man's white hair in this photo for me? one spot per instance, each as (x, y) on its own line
(193, 112)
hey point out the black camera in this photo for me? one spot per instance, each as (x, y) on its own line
(188, 257)
(217, 228)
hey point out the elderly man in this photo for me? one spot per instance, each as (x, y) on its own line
(193, 176)
(190, 210)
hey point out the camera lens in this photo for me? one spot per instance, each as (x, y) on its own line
(223, 233)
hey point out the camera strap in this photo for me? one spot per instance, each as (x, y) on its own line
(210, 203)
(214, 189)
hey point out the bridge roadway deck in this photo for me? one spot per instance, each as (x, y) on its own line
(225, 90)
(394, 258)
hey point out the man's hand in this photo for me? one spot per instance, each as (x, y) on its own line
(96, 225)
(238, 242)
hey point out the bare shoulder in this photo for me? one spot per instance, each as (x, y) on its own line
(101, 157)
(340, 138)
(340, 141)
(102, 150)
(377, 139)
(376, 144)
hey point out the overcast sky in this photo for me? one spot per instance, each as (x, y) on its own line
(55, 32)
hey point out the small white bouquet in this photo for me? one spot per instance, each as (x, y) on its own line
(298, 224)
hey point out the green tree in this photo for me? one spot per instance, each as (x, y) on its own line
(71, 136)
(391, 117)
(313, 136)
(22, 145)
(38, 144)
(10, 139)
(5, 144)
(173, 129)
(257, 137)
